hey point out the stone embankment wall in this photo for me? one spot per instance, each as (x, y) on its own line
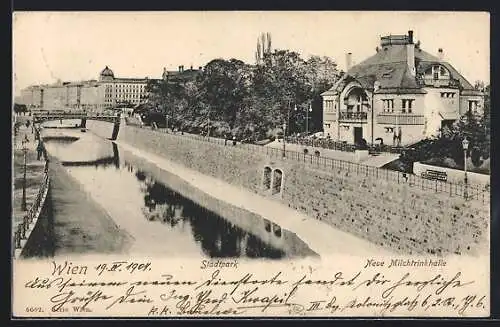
(405, 219)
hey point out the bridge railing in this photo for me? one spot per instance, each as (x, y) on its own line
(55, 116)
(468, 192)
(23, 230)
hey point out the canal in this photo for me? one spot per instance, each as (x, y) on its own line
(165, 215)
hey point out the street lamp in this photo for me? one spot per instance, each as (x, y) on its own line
(25, 150)
(465, 146)
(288, 109)
(166, 124)
(284, 134)
(310, 109)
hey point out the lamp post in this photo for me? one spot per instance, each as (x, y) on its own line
(166, 123)
(284, 136)
(208, 126)
(288, 109)
(25, 150)
(307, 118)
(465, 146)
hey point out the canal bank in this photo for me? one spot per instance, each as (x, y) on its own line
(80, 226)
(164, 215)
(402, 215)
(320, 237)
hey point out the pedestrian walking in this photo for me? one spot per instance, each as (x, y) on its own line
(39, 150)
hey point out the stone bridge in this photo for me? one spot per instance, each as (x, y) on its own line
(39, 118)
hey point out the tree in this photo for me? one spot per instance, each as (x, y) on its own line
(224, 85)
(281, 82)
(264, 46)
(250, 101)
(471, 127)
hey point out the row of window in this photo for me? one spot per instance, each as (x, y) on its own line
(129, 86)
(406, 105)
(447, 94)
(330, 106)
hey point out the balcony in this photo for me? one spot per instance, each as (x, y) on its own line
(353, 116)
(429, 81)
(400, 119)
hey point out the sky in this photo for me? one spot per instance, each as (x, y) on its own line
(72, 46)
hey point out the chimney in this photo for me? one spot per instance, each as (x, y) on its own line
(440, 54)
(200, 68)
(410, 54)
(348, 61)
(410, 37)
(180, 68)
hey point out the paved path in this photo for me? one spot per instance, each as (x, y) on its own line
(34, 173)
(80, 224)
(320, 237)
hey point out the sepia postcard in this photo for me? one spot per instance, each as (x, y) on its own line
(250, 164)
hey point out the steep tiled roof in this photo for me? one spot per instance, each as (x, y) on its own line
(389, 68)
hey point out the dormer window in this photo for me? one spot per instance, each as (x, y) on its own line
(438, 72)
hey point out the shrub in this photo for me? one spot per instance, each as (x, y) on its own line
(317, 153)
(306, 151)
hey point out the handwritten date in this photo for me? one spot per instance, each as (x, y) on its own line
(118, 266)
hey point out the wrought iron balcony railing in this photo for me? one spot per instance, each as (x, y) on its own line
(400, 119)
(353, 116)
(429, 81)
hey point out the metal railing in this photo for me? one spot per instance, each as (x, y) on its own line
(37, 117)
(21, 231)
(322, 143)
(353, 115)
(400, 119)
(469, 192)
(344, 146)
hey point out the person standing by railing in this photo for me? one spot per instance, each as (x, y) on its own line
(39, 150)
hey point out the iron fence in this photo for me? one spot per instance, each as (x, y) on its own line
(469, 192)
(22, 228)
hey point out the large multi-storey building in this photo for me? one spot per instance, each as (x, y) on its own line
(400, 95)
(93, 95)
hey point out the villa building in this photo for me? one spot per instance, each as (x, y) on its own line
(400, 95)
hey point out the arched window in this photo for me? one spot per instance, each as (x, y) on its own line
(276, 230)
(267, 178)
(277, 181)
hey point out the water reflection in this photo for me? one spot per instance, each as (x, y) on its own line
(217, 236)
(175, 222)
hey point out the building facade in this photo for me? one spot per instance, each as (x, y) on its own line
(93, 95)
(399, 96)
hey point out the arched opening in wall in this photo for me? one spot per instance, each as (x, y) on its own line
(266, 179)
(276, 230)
(267, 225)
(277, 181)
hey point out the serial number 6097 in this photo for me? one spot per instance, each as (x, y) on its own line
(34, 309)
